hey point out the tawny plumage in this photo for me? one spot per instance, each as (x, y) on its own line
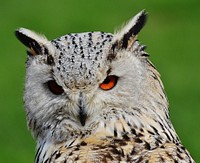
(96, 97)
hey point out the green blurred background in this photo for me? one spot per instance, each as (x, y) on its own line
(172, 34)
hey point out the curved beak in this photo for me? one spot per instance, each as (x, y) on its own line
(82, 113)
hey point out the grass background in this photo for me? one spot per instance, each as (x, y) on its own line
(172, 34)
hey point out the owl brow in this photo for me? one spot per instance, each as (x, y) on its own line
(109, 70)
(50, 60)
(111, 56)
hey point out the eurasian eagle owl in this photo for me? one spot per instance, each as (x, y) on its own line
(96, 97)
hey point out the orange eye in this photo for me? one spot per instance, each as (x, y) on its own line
(54, 87)
(109, 82)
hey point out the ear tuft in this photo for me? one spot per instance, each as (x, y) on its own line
(33, 41)
(128, 34)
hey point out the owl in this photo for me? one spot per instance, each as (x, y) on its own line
(96, 97)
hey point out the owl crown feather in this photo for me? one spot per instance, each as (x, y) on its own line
(123, 39)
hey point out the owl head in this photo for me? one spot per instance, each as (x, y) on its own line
(82, 81)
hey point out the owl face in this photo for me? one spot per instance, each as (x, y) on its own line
(77, 81)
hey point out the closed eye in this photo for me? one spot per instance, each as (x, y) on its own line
(54, 87)
(109, 82)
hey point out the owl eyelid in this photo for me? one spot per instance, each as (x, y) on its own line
(54, 87)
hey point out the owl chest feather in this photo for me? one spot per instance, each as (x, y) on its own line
(116, 142)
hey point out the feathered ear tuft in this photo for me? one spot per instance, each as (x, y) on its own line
(125, 38)
(35, 42)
